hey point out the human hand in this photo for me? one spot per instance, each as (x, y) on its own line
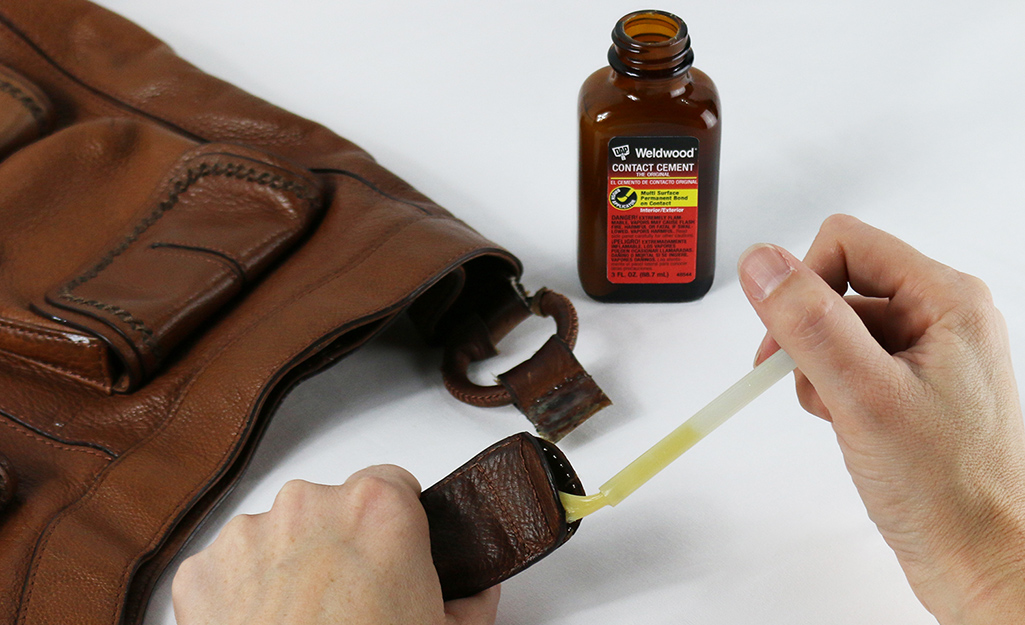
(915, 375)
(339, 555)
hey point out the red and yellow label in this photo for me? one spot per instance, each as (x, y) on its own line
(652, 210)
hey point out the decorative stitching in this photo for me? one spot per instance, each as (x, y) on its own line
(136, 324)
(23, 98)
(40, 336)
(178, 186)
(498, 395)
(100, 381)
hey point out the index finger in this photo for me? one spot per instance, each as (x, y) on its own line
(874, 263)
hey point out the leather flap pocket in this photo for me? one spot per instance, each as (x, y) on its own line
(176, 231)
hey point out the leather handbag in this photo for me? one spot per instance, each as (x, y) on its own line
(175, 255)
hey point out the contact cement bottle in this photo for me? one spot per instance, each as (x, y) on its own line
(649, 167)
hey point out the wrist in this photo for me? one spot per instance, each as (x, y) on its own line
(984, 583)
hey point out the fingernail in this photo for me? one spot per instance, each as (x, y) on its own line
(762, 268)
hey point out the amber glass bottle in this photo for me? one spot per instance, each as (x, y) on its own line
(649, 167)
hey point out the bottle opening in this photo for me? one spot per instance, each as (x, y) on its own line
(650, 44)
(651, 27)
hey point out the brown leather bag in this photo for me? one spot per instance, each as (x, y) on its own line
(175, 255)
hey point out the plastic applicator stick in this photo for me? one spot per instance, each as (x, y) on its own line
(756, 382)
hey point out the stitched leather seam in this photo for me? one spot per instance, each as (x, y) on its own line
(99, 381)
(136, 324)
(42, 336)
(178, 186)
(500, 396)
(19, 95)
(49, 443)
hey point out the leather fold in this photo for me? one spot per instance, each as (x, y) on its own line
(499, 513)
(8, 482)
(25, 111)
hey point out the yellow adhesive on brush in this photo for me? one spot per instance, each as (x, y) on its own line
(756, 382)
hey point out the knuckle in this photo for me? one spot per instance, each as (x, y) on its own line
(294, 494)
(975, 317)
(372, 491)
(373, 500)
(838, 222)
(974, 290)
(813, 325)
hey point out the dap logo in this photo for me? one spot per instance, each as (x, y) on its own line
(622, 151)
(623, 198)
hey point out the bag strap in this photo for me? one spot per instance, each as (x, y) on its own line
(551, 388)
(499, 513)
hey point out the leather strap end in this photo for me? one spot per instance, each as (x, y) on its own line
(498, 514)
(553, 390)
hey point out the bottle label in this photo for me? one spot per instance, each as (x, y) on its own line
(652, 210)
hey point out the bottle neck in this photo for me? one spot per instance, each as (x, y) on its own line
(651, 45)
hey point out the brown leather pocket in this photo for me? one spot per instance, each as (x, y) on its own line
(25, 111)
(125, 238)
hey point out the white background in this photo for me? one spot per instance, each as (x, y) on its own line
(905, 114)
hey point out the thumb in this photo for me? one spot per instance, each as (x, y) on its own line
(815, 325)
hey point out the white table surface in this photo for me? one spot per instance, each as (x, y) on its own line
(905, 114)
